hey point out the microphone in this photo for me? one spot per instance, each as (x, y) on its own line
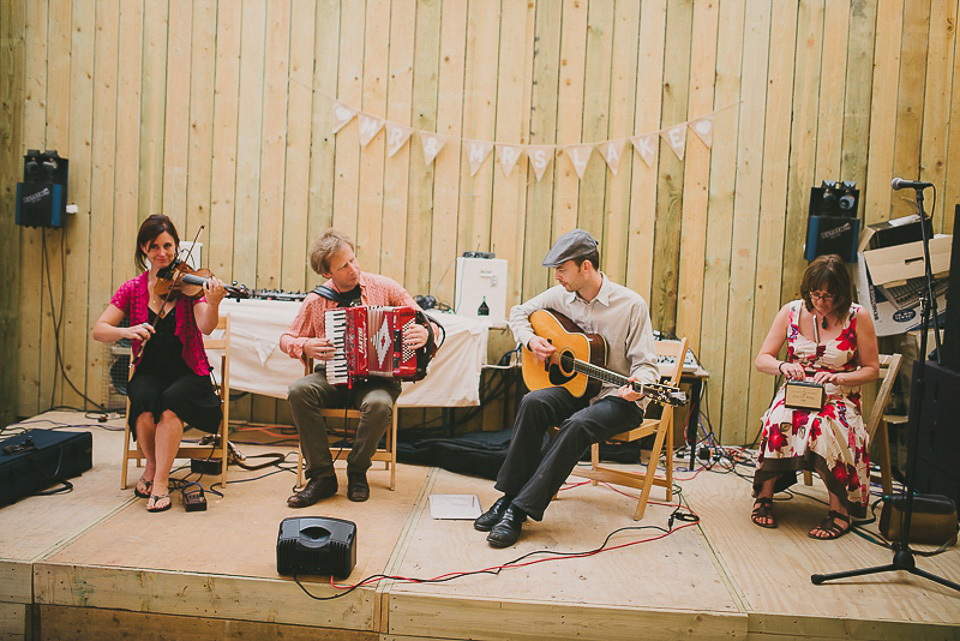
(900, 183)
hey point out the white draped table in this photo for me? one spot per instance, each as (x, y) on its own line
(257, 365)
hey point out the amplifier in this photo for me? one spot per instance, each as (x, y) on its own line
(37, 459)
(832, 235)
(316, 545)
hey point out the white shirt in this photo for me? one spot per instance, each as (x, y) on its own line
(618, 314)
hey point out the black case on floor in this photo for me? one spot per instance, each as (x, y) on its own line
(37, 459)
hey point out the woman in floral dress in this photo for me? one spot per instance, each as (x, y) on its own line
(830, 340)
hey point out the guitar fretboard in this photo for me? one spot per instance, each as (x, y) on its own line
(602, 374)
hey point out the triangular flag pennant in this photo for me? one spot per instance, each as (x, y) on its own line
(342, 114)
(509, 155)
(704, 130)
(540, 156)
(477, 152)
(611, 151)
(432, 144)
(397, 137)
(676, 137)
(579, 155)
(369, 127)
(646, 146)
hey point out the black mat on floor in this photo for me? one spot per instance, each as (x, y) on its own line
(482, 453)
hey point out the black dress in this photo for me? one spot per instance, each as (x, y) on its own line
(164, 381)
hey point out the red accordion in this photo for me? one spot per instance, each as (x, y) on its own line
(369, 342)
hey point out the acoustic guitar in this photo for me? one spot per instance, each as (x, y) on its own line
(578, 364)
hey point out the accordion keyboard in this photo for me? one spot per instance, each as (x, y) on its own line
(335, 322)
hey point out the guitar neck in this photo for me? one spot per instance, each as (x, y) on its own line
(603, 374)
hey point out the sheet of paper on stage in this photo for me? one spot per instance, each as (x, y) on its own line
(454, 506)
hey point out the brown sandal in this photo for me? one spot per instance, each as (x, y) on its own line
(763, 509)
(830, 528)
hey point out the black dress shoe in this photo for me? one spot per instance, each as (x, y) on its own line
(313, 491)
(492, 516)
(506, 532)
(357, 488)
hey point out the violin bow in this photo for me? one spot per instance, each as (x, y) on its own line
(166, 299)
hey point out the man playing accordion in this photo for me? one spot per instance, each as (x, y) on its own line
(332, 256)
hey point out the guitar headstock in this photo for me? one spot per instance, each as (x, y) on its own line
(664, 394)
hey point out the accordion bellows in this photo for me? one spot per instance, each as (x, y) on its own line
(369, 342)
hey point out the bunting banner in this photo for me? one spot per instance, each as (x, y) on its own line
(539, 156)
(677, 139)
(646, 146)
(612, 151)
(369, 127)
(397, 136)
(342, 114)
(477, 152)
(432, 144)
(579, 156)
(703, 127)
(509, 155)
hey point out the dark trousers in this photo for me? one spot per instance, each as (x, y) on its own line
(533, 476)
(374, 398)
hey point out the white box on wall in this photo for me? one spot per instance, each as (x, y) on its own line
(482, 280)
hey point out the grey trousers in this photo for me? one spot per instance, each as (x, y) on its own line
(531, 475)
(374, 398)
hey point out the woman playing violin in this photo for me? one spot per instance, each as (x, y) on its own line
(171, 382)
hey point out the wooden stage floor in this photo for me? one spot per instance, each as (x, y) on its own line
(94, 564)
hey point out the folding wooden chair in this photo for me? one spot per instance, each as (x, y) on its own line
(663, 429)
(219, 450)
(877, 424)
(387, 454)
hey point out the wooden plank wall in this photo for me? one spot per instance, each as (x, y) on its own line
(219, 113)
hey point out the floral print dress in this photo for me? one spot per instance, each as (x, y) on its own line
(831, 441)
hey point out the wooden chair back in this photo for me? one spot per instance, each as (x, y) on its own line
(662, 427)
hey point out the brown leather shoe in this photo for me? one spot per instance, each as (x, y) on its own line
(357, 488)
(313, 491)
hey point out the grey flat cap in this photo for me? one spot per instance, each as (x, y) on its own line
(573, 244)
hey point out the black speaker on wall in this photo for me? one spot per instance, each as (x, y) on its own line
(42, 196)
(950, 357)
(833, 226)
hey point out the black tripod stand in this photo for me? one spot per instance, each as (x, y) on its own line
(903, 558)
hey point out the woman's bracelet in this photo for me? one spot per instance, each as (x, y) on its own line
(780, 367)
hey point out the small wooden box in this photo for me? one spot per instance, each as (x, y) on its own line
(804, 395)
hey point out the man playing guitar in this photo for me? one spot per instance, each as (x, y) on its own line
(529, 479)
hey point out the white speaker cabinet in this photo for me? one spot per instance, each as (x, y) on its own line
(482, 281)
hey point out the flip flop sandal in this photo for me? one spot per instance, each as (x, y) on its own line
(157, 498)
(146, 484)
(763, 509)
(830, 528)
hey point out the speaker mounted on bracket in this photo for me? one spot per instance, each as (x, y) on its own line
(833, 225)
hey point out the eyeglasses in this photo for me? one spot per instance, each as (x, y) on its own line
(824, 297)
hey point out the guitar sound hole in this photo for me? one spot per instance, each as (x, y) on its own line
(558, 372)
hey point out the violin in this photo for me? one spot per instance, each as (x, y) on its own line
(179, 279)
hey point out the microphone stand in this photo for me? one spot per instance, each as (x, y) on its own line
(903, 558)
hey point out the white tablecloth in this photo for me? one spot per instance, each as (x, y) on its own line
(257, 365)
